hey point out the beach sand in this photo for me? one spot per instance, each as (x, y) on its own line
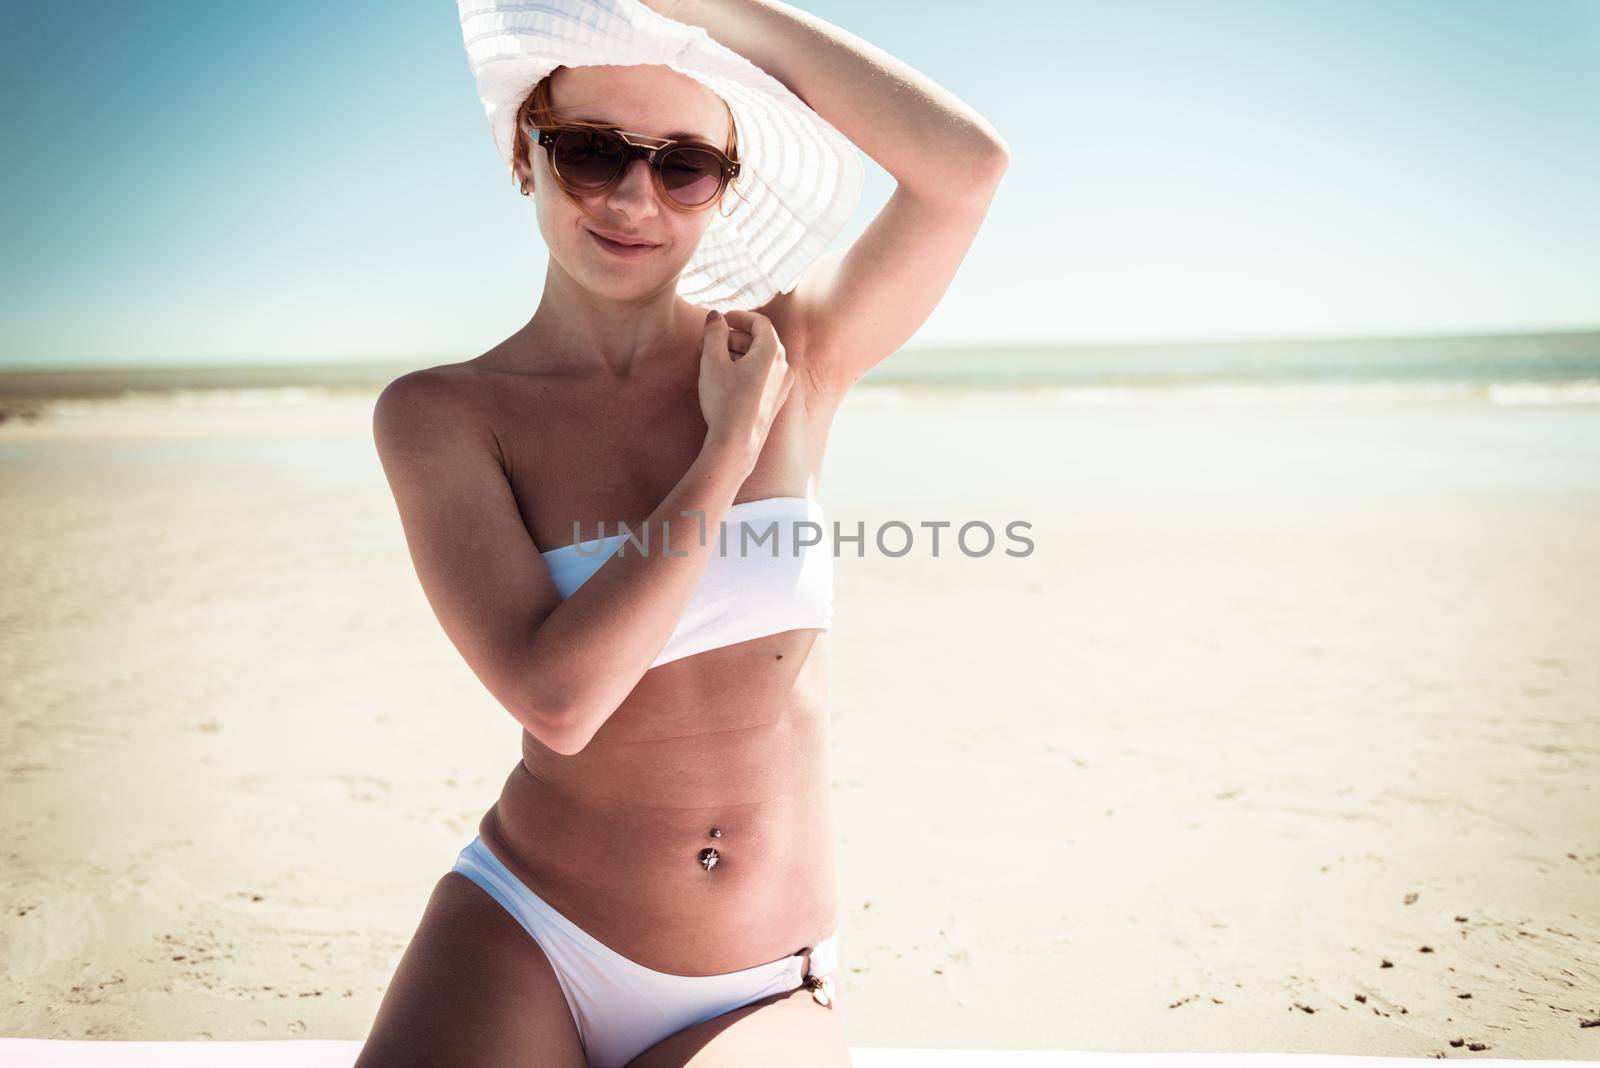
(1285, 736)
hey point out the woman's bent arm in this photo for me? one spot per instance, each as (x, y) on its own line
(559, 667)
(856, 306)
(592, 650)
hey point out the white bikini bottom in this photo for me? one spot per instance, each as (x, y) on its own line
(621, 1007)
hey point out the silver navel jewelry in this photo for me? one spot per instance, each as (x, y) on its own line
(708, 855)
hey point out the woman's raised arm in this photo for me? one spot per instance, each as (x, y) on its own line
(854, 307)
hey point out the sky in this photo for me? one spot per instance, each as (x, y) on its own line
(199, 182)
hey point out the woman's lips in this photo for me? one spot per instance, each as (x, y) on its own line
(628, 252)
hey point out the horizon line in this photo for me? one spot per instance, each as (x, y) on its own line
(347, 360)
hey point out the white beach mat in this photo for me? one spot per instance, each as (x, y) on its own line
(324, 1053)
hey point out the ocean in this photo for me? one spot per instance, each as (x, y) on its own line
(1535, 368)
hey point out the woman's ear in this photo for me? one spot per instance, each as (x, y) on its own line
(524, 176)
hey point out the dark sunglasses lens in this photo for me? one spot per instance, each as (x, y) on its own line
(586, 159)
(691, 176)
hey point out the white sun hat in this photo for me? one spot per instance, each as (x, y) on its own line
(800, 176)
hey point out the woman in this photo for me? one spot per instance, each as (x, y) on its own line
(655, 884)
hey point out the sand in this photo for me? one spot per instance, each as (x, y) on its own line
(1286, 735)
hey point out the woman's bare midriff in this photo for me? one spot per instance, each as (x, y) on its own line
(734, 738)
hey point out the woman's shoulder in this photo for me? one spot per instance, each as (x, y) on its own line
(449, 395)
(446, 384)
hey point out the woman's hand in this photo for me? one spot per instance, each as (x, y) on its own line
(744, 380)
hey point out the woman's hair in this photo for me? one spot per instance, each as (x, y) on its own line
(538, 111)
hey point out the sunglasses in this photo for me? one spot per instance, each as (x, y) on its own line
(591, 159)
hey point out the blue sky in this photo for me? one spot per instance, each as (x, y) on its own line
(193, 181)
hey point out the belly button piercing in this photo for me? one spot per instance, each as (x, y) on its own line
(708, 855)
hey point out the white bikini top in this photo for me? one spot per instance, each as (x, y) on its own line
(760, 578)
